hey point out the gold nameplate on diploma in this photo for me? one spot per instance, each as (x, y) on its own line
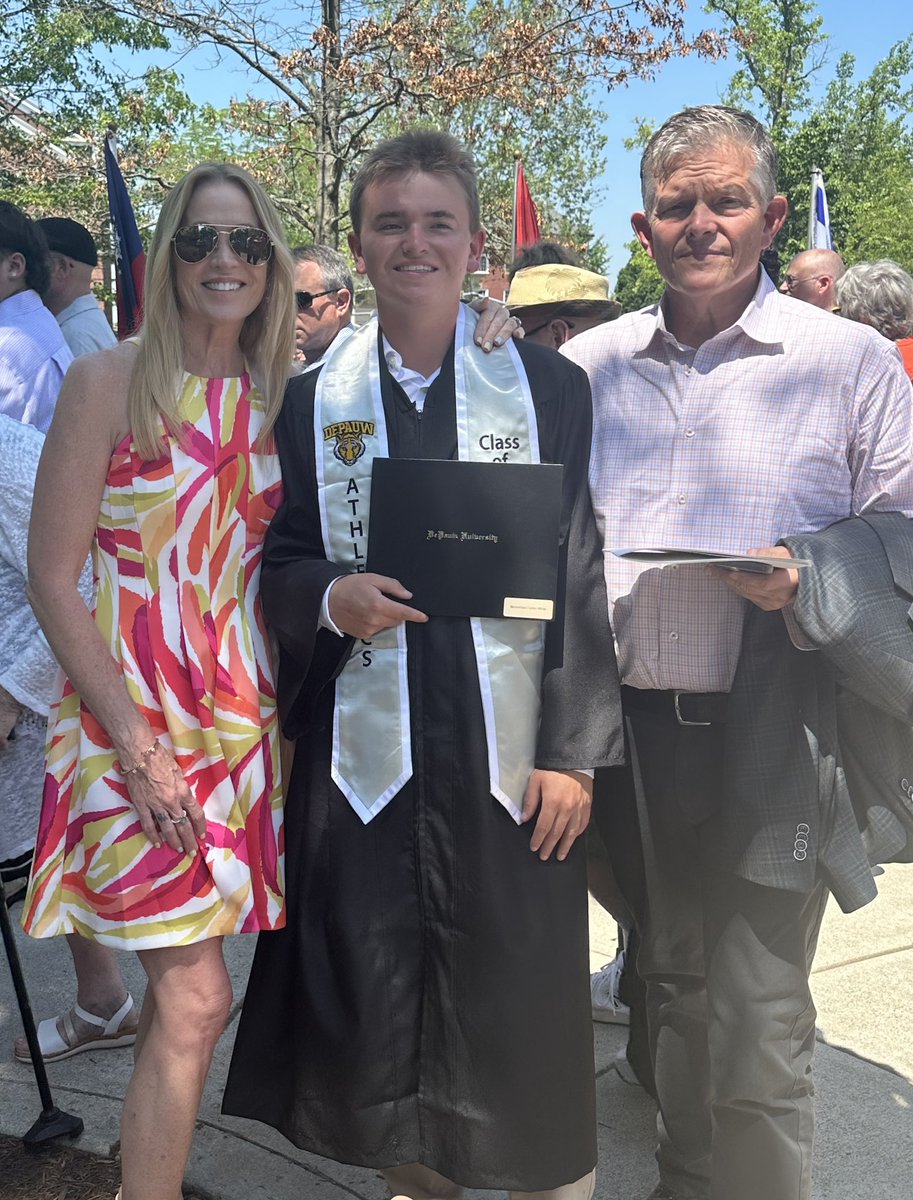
(531, 610)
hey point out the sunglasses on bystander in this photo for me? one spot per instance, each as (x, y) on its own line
(304, 300)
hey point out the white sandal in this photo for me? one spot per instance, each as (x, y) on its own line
(54, 1047)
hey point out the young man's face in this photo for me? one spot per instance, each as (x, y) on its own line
(415, 241)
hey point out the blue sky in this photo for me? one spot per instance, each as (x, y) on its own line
(868, 30)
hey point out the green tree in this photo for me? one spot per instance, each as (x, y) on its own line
(58, 94)
(858, 133)
(639, 283)
(51, 54)
(780, 45)
(363, 65)
(49, 172)
(860, 137)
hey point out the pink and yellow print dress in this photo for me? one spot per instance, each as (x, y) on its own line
(177, 559)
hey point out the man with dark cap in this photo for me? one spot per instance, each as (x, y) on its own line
(74, 256)
(33, 353)
(557, 301)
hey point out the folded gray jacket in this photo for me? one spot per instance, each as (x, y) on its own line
(819, 745)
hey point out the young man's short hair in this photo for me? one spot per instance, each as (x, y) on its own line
(429, 151)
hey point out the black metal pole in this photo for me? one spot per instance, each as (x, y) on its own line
(52, 1123)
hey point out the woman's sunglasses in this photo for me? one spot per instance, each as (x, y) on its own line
(193, 243)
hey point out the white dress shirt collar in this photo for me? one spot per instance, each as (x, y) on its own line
(761, 320)
(413, 383)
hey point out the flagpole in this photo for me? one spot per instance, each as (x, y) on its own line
(112, 308)
(513, 233)
(812, 222)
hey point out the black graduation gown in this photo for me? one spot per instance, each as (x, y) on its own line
(428, 1000)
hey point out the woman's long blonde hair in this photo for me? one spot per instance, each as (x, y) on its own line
(267, 338)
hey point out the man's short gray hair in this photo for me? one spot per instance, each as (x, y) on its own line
(879, 294)
(333, 267)
(704, 128)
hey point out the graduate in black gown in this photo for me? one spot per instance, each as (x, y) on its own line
(427, 1007)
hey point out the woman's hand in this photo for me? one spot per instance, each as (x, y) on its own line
(164, 803)
(496, 324)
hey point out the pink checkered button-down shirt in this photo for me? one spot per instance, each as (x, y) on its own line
(784, 423)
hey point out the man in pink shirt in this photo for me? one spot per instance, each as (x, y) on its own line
(726, 417)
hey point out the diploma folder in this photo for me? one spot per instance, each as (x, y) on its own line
(468, 539)
(675, 556)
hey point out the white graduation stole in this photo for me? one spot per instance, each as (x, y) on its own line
(372, 749)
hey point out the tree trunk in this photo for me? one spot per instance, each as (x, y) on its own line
(326, 225)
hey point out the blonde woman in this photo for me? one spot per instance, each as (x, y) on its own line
(161, 822)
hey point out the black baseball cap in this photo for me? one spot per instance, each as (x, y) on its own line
(70, 239)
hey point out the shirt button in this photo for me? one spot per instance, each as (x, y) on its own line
(689, 433)
(682, 498)
(673, 637)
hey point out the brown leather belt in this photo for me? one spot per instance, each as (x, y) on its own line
(686, 708)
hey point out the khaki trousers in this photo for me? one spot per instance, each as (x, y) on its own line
(416, 1182)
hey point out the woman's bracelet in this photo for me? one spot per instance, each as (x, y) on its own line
(143, 760)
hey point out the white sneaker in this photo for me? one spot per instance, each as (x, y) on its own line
(604, 992)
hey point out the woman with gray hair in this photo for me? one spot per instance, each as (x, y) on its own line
(880, 294)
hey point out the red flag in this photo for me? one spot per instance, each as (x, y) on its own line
(526, 220)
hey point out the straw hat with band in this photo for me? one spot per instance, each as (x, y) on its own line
(571, 291)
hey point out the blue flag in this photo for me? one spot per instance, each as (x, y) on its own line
(130, 257)
(819, 218)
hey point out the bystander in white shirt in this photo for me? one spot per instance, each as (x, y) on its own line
(85, 326)
(33, 360)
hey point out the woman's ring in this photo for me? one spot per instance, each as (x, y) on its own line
(179, 820)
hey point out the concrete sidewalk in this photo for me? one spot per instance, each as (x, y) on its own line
(863, 985)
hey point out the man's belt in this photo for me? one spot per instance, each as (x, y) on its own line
(686, 708)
